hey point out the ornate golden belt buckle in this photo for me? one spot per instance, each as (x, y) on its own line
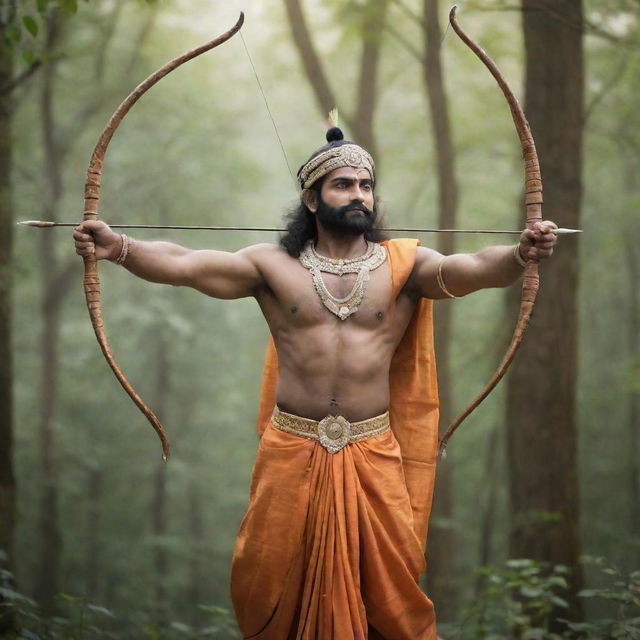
(334, 433)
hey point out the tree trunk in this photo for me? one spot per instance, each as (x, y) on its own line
(309, 57)
(371, 31)
(51, 539)
(159, 503)
(361, 122)
(7, 479)
(492, 481)
(441, 583)
(94, 527)
(541, 391)
(196, 536)
(633, 420)
(632, 183)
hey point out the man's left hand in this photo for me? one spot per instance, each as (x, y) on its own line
(538, 243)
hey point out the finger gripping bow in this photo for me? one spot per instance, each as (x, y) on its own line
(91, 205)
(533, 209)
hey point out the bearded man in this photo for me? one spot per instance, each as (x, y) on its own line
(332, 545)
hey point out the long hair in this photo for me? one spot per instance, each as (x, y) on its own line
(301, 226)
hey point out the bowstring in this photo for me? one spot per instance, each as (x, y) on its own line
(460, 6)
(266, 104)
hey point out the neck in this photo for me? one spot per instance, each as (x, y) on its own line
(340, 246)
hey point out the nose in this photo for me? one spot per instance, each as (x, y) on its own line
(357, 193)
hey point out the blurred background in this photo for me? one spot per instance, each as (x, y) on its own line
(548, 469)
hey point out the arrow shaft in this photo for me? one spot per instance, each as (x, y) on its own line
(44, 224)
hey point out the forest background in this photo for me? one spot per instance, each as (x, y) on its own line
(547, 468)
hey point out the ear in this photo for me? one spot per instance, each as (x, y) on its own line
(310, 198)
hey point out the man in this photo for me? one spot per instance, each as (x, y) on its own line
(332, 544)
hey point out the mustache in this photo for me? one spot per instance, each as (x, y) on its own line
(355, 206)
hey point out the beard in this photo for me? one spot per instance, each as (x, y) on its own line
(337, 221)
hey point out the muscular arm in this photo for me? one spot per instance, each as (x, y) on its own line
(217, 273)
(464, 273)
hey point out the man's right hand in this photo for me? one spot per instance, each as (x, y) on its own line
(95, 236)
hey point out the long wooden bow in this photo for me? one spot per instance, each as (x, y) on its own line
(533, 207)
(91, 204)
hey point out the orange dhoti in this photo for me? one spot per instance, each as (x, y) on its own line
(327, 549)
(332, 545)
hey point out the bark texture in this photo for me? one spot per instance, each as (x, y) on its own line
(8, 621)
(7, 479)
(541, 391)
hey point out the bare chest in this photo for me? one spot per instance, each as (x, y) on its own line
(298, 297)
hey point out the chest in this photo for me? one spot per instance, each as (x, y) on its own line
(303, 298)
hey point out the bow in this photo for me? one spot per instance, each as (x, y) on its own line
(533, 208)
(91, 204)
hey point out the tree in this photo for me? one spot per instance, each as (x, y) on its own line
(541, 437)
(371, 19)
(441, 576)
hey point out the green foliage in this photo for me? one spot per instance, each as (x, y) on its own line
(517, 602)
(77, 619)
(524, 598)
(622, 593)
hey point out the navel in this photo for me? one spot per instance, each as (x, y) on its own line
(379, 315)
(294, 309)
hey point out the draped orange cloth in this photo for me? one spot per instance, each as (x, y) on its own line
(332, 545)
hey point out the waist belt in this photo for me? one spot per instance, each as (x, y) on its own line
(332, 432)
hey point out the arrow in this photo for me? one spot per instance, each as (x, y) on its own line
(45, 224)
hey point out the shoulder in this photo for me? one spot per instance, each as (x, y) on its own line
(262, 251)
(427, 260)
(265, 254)
(423, 277)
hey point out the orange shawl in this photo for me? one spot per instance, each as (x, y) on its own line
(332, 544)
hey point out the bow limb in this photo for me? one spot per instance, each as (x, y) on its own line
(533, 208)
(91, 206)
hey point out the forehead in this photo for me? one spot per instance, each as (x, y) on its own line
(349, 173)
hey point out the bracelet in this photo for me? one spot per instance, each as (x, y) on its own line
(518, 257)
(440, 280)
(124, 251)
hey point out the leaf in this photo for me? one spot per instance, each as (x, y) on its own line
(520, 563)
(69, 598)
(42, 5)
(530, 592)
(558, 581)
(28, 56)
(102, 610)
(12, 595)
(559, 602)
(588, 593)
(30, 25)
(70, 6)
(14, 33)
